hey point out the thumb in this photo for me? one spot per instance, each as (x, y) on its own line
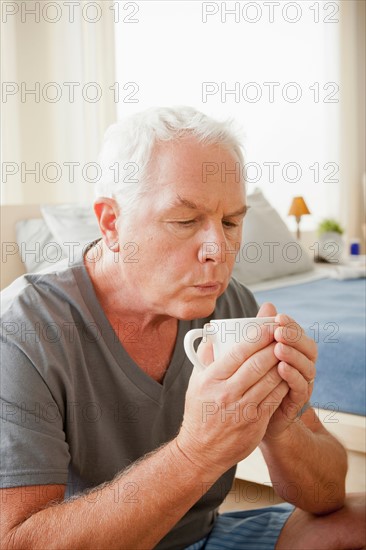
(267, 310)
(205, 352)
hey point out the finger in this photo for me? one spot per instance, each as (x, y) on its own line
(299, 393)
(283, 319)
(263, 387)
(299, 386)
(273, 400)
(287, 321)
(228, 364)
(296, 359)
(205, 352)
(293, 335)
(254, 368)
(267, 310)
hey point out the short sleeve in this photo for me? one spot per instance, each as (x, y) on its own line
(34, 450)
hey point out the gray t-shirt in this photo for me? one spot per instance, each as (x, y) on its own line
(75, 408)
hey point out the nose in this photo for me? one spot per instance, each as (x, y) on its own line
(210, 252)
(213, 241)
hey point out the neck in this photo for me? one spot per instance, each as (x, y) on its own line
(149, 339)
(113, 293)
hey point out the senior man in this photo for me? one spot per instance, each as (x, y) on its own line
(104, 440)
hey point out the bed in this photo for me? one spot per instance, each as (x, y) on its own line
(332, 312)
(277, 269)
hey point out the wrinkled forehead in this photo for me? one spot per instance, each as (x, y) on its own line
(208, 176)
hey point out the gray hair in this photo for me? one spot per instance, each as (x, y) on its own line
(128, 145)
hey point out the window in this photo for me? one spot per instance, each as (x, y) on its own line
(272, 66)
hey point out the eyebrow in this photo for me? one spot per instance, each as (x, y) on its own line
(181, 201)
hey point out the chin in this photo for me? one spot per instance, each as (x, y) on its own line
(189, 312)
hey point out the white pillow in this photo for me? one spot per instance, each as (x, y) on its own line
(72, 225)
(37, 246)
(268, 249)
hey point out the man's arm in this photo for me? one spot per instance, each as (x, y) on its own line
(140, 506)
(307, 465)
(135, 510)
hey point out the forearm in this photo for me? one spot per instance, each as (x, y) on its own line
(135, 510)
(307, 468)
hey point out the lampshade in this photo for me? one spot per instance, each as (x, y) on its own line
(298, 207)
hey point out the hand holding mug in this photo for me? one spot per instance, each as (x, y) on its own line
(230, 402)
(223, 334)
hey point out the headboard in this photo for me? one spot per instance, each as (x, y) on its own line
(11, 264)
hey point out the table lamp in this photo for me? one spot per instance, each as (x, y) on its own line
(298, 208)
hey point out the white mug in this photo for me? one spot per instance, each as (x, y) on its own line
(224, 334)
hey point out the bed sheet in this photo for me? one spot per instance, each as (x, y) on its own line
(333, 313)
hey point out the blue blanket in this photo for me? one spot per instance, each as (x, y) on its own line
(333, 313)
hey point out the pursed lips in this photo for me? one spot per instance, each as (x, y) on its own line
(211, 286)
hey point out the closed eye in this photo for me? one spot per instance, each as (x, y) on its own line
(230, 224)
(186, 223)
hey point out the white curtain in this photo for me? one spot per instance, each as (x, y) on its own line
(51, 136)
(353, 119)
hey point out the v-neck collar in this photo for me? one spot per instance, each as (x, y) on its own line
(155, 390)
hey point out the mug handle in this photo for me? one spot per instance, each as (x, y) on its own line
(189, 339)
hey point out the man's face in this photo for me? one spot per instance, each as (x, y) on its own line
(186, 231)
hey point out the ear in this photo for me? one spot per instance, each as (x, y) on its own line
(107, 212)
